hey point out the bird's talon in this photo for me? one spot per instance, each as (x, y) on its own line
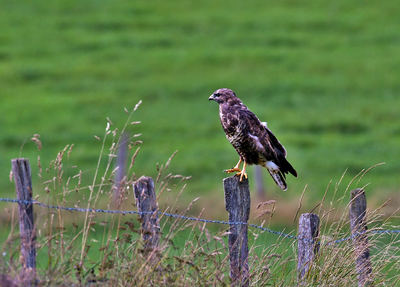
(233, 170)
(242, 174)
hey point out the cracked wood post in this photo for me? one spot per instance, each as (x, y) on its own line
(120, 175)
(23, 187)
(146, 201)
(358, 208)
(237, 201)
(307, 244)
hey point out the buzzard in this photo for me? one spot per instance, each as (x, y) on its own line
(252, 140)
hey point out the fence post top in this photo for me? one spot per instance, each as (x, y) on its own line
(19, 159)
(306, 215)
(235, 180)
(144, 180)
(356, 192)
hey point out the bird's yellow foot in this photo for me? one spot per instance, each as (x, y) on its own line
(235, 169)
(242, 174)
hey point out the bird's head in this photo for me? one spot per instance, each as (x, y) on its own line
(222, 95)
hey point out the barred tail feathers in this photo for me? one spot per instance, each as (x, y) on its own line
(278, 178)
(277, 175)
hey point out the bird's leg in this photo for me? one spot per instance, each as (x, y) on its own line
(236, 168)
(243, 172)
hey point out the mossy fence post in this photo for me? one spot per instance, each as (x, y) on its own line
(23, 187)
(146, 202)
(237, 201)
(307, 243)
(357, 213)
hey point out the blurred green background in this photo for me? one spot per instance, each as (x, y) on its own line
(324, 75)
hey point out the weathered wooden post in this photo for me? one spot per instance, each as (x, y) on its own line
(146, 202)
(120, 174)
(23, 187)
(237, 201)
(307, 244)
(358, 208)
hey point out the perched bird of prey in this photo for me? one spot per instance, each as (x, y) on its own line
(252, 140)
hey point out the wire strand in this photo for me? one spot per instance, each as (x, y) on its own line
(180, 216)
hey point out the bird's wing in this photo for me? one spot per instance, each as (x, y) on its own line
(275, 142)
(266, 142)
(280, 151)
(262, 131)
(258, 133)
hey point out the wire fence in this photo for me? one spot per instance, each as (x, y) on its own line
(183, 217)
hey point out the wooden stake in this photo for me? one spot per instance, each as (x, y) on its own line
(23, 187)
(146, 202)
(237, 201)
(358, 209)
(308, 245)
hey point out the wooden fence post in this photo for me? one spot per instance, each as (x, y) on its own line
(146, 201)
(308, 245)
(237, 201)
(23, 186)
(358, 208)
(120, 174)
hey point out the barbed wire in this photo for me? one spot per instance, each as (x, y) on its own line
(180, 216)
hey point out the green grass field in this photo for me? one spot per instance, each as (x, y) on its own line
(325, 76)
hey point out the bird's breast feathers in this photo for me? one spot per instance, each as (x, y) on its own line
(233, 126)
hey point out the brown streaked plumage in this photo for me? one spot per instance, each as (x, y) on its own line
(252, 140)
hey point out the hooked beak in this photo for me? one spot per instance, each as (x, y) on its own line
(211, 98)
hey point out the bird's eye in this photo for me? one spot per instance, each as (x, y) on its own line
(217, 94)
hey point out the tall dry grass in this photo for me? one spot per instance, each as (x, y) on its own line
(106, 250)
